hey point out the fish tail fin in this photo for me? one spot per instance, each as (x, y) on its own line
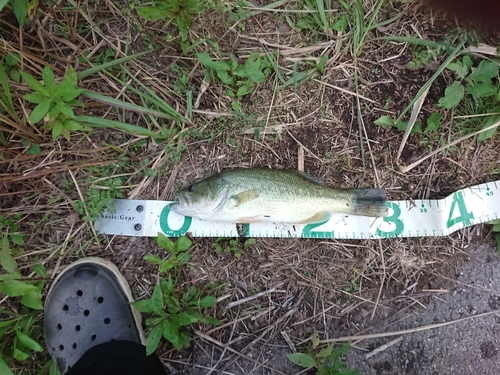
(369, 202)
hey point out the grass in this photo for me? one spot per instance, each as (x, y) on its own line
(137, 107)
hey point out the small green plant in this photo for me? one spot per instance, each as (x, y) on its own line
(240, 78)
(177, 250)
(170, 311)
(476, 90)
(54, 102)
(178, 12)
(326, 361)
(19, 329)
(233, 245)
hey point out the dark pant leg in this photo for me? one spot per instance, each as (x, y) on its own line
(118, 358)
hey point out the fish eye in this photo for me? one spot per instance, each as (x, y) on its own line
(192, 188)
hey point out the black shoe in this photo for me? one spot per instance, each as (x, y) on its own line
(88, 304)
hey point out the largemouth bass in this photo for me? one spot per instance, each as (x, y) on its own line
(274, 195)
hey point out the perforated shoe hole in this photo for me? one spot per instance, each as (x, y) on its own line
(79, 293)
(78, 328)
(107, 321)
(59, 326)
(61, 347)
(86, 312)
(100, 300)
(94, 336)
(65, 308)
(74, 345)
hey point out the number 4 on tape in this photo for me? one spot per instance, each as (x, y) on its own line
(464, 216)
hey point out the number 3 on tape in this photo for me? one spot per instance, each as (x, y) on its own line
(464, 216)
(397, 224)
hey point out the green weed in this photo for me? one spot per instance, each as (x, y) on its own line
(171, 312)
(178, 255)
(177, 12)
(233, 245)
(475, 91)
(19, 329)
(240, 78)
(54, 102)
(326, 361)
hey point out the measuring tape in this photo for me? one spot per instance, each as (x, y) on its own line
(412, 218)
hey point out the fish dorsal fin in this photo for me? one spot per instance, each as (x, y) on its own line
(244, 197)
(307, 176)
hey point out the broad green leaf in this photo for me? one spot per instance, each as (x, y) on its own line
(184, 258)
(65, 109)
(28, 342)
(224, 77)
(452, 95)
(322, 63)
(2, 4)
(6, 260)
(460, 69)
(143, 306)
(33, 83)
(207, 301)
(433, 122)
(172, 304)
(242, 91)
(48, 79)
(4, 369)
(19, 354)
(20, 8)
(157, 299)
(39, 269)
(484, 72)
(215, 65)
(16, 288)
(385, 122)
(33, 299)
(165, 242)
(168, 264)
(326, 352)
(72, 125)
(256, 75)
(171, 333)
(15, 76)
(65, 133)
(34, 149)
(302, 359)
(183, 20)
(341, 23)
(35, 97)
(482, 89)
(12, 58)
(182, 244)
(488, 121)
(182, 319)
(152, 13)
(153, 339)
(153, 258)
(57, 128)
(209, 320)
(417, 127)
(40, 111)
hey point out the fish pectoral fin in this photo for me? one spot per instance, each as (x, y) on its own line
(317, 218)
(244, 196)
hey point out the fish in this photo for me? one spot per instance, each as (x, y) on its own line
(274, 195)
